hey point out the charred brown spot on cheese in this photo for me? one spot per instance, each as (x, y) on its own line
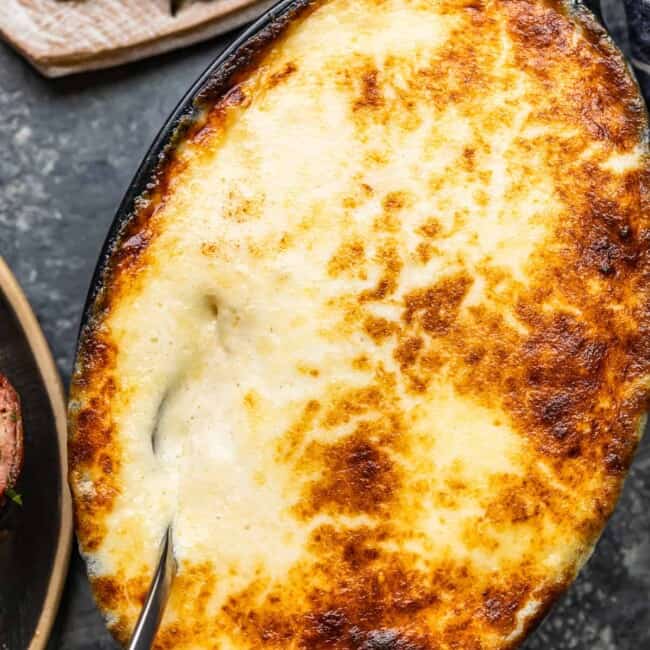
(500, 608)
(406, 353)
(378, 328)
(431, 228)
(287, 70)
(424, 252)
(352, 402)
(93, 433)
(388, 259)
(370, 95)
(214, 121)
(436, 308)
(395, 201)
(91, 437)
(307, 369)
(127, 255)
(122, 594)
(349, 258)
(563, 369)
(361, 363)
(108, 593)
(212, 249)
(358, 475)
(331, 629)
(392, 204)
(520, 499)
(294, 437)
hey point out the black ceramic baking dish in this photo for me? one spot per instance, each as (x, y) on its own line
(212, 85)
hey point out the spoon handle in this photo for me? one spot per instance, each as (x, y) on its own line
(154, 605)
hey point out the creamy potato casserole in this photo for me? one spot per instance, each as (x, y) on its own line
(376, 340)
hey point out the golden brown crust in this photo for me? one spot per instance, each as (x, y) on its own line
(570, 376)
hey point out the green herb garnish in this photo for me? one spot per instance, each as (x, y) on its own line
(14, 496)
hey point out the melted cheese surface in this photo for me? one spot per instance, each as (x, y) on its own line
(371, 353)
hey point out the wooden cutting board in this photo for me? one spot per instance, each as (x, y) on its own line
(35, 539)
(61, 37)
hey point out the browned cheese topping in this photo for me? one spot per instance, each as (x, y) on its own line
(377, 342)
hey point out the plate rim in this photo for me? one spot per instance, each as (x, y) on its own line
(49, 373)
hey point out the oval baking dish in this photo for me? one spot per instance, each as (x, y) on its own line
(368, 328)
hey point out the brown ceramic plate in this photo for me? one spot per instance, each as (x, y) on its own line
(35, 538)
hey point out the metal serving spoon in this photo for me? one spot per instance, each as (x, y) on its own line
(154, 605)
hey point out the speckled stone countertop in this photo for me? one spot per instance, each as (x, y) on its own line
(68, 149)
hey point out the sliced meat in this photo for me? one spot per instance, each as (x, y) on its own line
(11, 436)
